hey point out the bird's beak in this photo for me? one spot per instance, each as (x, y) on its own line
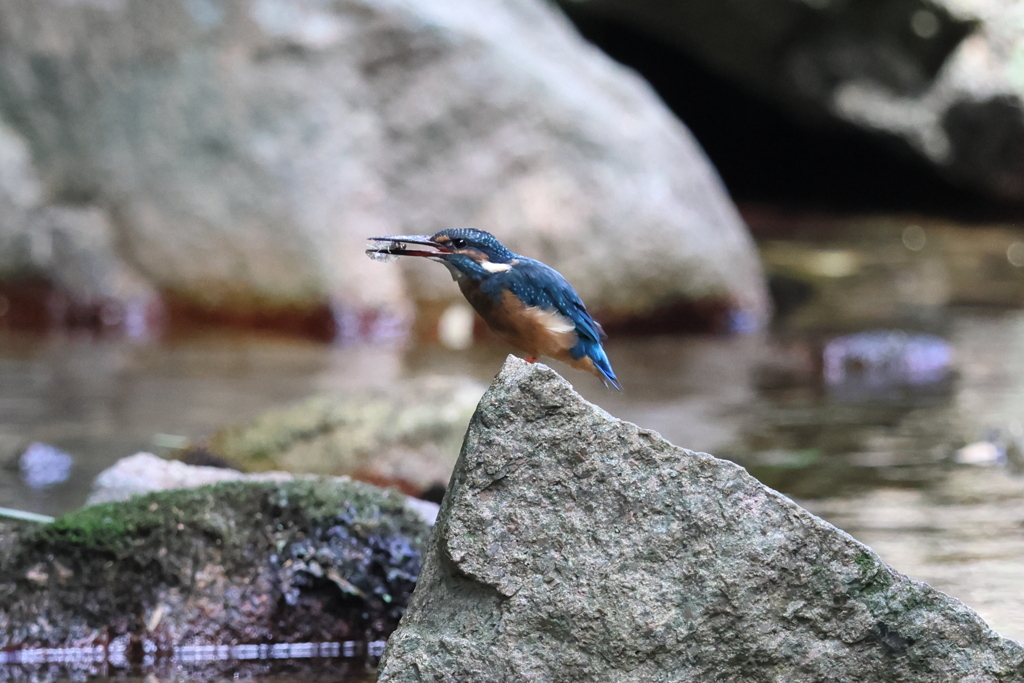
(396, 245)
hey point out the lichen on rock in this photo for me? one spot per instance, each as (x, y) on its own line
(572, 546)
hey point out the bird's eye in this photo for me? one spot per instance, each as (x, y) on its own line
(459, 243)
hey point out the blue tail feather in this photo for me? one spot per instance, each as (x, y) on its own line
(595, 352)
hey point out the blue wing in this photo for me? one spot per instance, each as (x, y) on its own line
(537, 284)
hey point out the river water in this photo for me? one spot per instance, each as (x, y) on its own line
(923, 467)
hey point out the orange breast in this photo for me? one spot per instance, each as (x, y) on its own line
(534, 330)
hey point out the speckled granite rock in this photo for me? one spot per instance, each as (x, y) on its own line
(575, 547)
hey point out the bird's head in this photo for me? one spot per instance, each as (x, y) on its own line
(466, 251)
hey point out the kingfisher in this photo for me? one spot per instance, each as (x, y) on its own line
(525, 302)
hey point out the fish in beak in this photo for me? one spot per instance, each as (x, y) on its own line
(391, 246)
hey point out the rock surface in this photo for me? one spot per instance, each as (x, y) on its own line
(575, 547)
(972, 549)
(244, 149)
(946, 76)
(407, 434)
(233, 563)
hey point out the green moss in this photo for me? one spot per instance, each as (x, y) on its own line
(874, 576)
(118, 527)
(866, 562)
(227, 513)
(318, 499)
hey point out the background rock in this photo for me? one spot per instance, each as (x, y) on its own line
(144, 473)
(574, 547)
(58, 262)
(407, 434)
(244, 149)
(943, 78)
(226, 564)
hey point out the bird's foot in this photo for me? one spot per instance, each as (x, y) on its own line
(531, 359)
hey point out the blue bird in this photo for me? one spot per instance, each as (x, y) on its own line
(527, 303)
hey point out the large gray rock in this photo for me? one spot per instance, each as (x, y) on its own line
(575, 547)
(245, 148)
(942, 75)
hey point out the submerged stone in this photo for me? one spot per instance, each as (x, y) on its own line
(43, 465)
(871, 362)
(315, 560)
(572, 546)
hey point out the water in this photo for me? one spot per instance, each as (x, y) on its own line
(100, 400)
(347, 662)
(877, 459)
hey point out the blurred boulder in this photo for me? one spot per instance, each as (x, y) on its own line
(942, 76)
(144, 473)
(407, 435)
(43, 466)
(243, 149)
(58, 261)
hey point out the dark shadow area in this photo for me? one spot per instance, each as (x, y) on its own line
(766, 155)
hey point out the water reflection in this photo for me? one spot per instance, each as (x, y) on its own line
(334, 662)
(269, 671)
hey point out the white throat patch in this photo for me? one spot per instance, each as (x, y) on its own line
(495, 267)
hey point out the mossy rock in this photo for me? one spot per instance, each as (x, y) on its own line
(233, 563)
(408, 434)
